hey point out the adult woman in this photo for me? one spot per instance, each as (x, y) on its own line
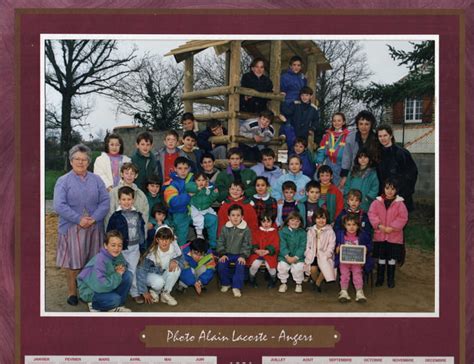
(81, 201)
(396, 162)
(255, 79)
(365, 137)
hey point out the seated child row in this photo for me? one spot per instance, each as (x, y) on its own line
(241, 241)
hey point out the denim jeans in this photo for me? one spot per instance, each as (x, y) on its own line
(109, 300)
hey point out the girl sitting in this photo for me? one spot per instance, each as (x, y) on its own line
(264, 204)
(265, 249)
(388, 216)
(160, 267)
(319, 254)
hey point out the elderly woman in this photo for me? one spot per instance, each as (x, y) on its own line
(397, 163)
(81, 201)
(365, 137)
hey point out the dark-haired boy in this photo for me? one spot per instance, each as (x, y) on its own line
(144, 159)
(308, 205)
(166, 156)
(259, 130)
(288, 203)
(190, 151)
(267, 167)
(214, 128)
(177, 199)
(130, 223)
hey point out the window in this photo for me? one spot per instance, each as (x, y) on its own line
(413, 110)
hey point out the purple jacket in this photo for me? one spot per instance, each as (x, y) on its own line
(75, 196)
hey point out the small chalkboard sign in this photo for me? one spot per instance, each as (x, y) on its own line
(352, 254)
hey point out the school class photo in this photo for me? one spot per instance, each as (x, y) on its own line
(225, 176)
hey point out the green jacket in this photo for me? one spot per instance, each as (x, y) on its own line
(366, 182)
(146, 167)
(226, 177)
(235, 240)
(203, 198)
(292, 243)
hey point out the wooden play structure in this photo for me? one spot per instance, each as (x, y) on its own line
(276, 54)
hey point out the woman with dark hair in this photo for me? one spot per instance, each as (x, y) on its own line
(364, 136)
(396, 163)
(107, 165)
(255, 79)
(81, 201)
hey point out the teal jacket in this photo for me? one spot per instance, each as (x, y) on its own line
(366, 182)
(146, 167)
(99, 275)
(292, 243)
(201, 199)
(301, 206)
(226, 177)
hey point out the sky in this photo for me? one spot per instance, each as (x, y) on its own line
(104, 116)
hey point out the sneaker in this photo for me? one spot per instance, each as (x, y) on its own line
(91, 309)
(360, 296)
(169, 299)
(120, 309)
(283, 287)
(155, 297)
(344, 296)
(139, 300)
(299, 288)
(225, 288)
(236, 292)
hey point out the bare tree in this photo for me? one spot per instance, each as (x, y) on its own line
(79, 114)
(82, 67)
(153, 95)
(335, 87)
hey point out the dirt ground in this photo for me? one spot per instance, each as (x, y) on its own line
(414, 291)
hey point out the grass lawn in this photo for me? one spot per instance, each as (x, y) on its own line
(50, 179)
(420, 230)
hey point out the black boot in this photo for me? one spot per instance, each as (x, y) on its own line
(253, 281)
(272, 281)
(380, 275)
(391, 276)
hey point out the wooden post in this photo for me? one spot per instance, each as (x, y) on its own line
(188, 81)
(234, 80)
(274, 73)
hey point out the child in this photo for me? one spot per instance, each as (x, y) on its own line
(128, 174)
(203, 215)
(236, 197)
(303, 119)
(388, 216)
(293, 80)
(291, 257)
(300, 149)
(264, 204)
(199, 266)
(177, 199)
(159, 214)
(257, 80)
(331, 148)
(267, 167)
(190, 151)
(166, 156)
(265, 248)
(308, 206)
(144, 159)
(107, 165)
(233, 246)
(105, 281)
(260, 131)
(188, 122)
(351, 235)
(331, 197)
(129, 222)
(214, 128)
(353, 207)
(288, 203)
(153, 196)
(294, 174)
(235, 171)
(363, 178)
(319, 254)
(160, 268)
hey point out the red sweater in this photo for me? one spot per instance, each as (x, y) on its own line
(269, 240)
(250, 216)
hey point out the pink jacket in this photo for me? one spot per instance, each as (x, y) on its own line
(396, 216)
(324, 250)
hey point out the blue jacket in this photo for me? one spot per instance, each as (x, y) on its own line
(300, 181)
(291, 83)
(203, 139)
(307, 158)
(175, 193)
(272, 176)
(364, 239)
(365, 224)
(119, 222)
(203, 270)
(304, 118)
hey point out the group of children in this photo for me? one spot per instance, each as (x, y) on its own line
(286, 223)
